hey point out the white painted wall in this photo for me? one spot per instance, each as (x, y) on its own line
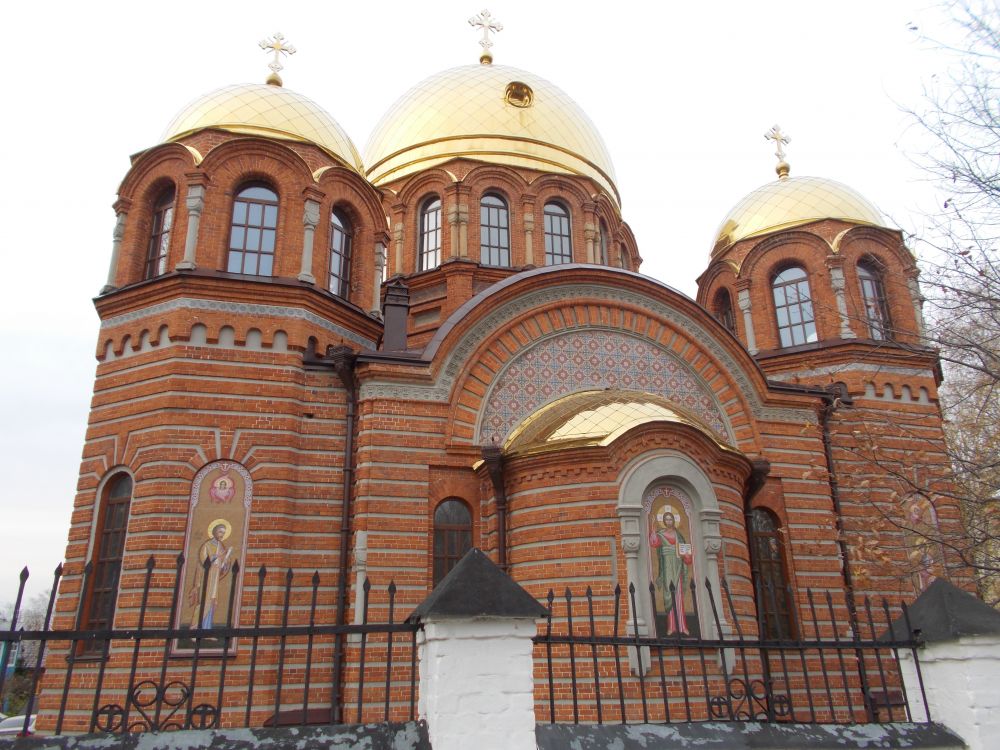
(476, 686)
(962, 682)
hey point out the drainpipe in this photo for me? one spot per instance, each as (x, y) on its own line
(493, 457)
(761, 467)
(835, 396)
(341, 359)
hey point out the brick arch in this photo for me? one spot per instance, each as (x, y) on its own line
(591, 358)
(171, 159)
(779, 248)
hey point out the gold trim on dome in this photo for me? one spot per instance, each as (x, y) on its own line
(268, 111)
(464, 112)
(793, 202)
(596, 418)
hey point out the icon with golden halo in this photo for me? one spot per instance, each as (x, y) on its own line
(224, 525)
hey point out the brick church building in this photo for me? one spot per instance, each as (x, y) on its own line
(363, 366)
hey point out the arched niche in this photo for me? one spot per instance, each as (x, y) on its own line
(644, 480)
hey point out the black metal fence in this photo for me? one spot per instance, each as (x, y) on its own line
(837, 664)
(153, 675)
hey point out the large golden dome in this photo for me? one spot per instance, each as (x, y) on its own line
(269, 111)
(791, 202)
(490, 113)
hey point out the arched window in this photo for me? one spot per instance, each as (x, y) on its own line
(602, 243)
(494, 231)
(252, 236)
(159, 235)
(430, 234)
(558, 245)
(873, 297)
(723, 310)
(452, 536)
(341, 234)
(109, 548)
(793, 307)
(771, 588)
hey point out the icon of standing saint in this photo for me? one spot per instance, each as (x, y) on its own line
(674, 557)
(220, 558)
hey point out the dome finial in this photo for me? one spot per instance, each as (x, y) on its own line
(277, 44)
(781, 140)
(487, 23)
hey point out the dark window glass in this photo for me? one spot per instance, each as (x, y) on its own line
(452, 536)
(253, 230)
(430, 234)
(724, 310)
(772, 592)
(873, 297)
(793, 307)
(159, 235)
(109, 546)
(340, 254)
(602, 243)
(494, 231)
(558, 245)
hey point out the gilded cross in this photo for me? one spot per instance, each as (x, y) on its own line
(780, 139)
(487, 23)
(280, 47)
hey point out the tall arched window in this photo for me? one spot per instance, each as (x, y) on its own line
(722, 308)
(452, 536)
(159, 235)
(494, 231)
(602, 243)
(769, 558)
(793, 307)
(430, 234)
(873, 297)
(109, 548)
(558, 245)
(341, 234)
(252, 235)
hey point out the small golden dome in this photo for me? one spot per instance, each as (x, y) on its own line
(269, 111)
(792, 202)
(491, 113)
(594, 418)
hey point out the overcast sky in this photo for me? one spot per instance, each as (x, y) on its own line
(681, 92)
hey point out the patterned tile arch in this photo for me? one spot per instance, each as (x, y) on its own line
(583, 360)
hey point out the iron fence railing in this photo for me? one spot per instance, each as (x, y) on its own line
(155, 675)
(839, 664)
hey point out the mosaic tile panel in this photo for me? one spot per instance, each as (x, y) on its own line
(585, 360)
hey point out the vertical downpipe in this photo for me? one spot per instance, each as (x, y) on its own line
(493, 456)
(342, 359)
(834, 397)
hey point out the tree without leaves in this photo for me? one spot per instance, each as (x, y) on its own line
(959, 120)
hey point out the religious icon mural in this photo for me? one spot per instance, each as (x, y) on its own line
(920, 533)
(667, 519)
(218, 521)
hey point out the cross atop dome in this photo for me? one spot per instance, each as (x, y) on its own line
(487, 23)
(277, 44)
(781, 140)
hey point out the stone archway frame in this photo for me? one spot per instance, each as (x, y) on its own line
(669, 468)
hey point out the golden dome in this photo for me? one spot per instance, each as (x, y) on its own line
(792, 202)
(594, 418)
(269, 111)
(490, 113)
